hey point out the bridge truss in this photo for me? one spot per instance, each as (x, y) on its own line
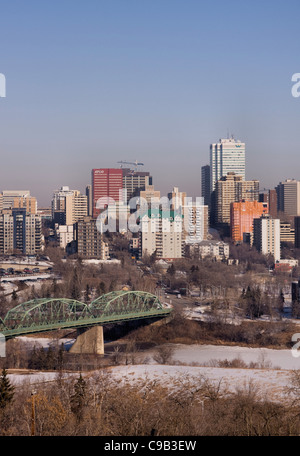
(47, 314)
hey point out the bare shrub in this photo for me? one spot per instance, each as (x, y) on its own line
(164, 354)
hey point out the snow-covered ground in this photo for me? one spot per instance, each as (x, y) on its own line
(204, 354)
(272, 384)
(195, 362)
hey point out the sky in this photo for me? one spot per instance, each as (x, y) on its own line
(90, 83)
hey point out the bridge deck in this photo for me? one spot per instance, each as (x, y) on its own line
(49, 314)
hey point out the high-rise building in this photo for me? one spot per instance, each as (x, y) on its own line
(266, 236)
(226, 156)
(88, 239)
(288, 197)
(134, 182)
(287, 233)
(242, 214)
(68, 206)
(89, 195)
(20, 232)
(161, 233)
(10, 195)
(194, 215)
(177, 199)
(149, 197)
(18, 199)
(64, 234)
(107, 185)
(229, 189)
(195, 222)
(205, 184)
(29, 203)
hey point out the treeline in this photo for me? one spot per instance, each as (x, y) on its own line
(216, 330)
(99, 405)
(21, 355)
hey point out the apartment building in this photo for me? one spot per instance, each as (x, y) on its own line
(68, 206)
(287, 233)
(150, 197)
(229, 189)
(195, 222)
(214, 249)
(242, 214)
(266, 236)
(64, 234)
(88, 240)
(161, 232)
(20, 232)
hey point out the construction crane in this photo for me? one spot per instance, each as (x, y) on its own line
(136, 163)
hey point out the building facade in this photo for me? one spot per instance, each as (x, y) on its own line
(68, 206)
(161, 233)
(266, 236)
(226, 156)
(107, 185)
(230, 189)
(195, 222)
(64, 234)
(288, 197)
(88, 240)
(217, 250)
(242, 214)
(205, 184)
(134, 182)
(20, 232)
(297, 232)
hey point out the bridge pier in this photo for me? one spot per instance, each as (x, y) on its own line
(89, 341)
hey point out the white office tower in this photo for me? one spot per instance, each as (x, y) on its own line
(226, 156)
(266, 236)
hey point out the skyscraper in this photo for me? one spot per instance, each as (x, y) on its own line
(288, 197)
(135, 181)
(107, 184)
(68, 206)
(231, 189)
(226, 156)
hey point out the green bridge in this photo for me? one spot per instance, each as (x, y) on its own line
(49, 314)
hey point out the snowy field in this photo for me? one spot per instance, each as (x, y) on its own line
(195, 362)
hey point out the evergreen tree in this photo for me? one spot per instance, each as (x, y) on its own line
(75, 291)
(79, 398)
(60, 357)
(14, 297)
(101, 289)
(253, 302)
(171, 270)
(87, 293)
(6, 390)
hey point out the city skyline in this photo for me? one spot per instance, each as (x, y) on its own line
(88, 85)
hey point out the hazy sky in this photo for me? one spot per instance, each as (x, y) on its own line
(93, 82)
